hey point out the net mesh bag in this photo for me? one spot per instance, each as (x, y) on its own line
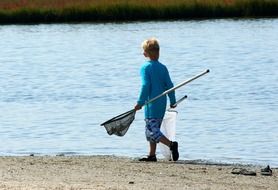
(119, 124)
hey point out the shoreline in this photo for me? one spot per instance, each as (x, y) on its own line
(161, 158)
(112, 172)
(60, 11)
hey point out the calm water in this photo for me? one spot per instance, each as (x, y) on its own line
(59, 82)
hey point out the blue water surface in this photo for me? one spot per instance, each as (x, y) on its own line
(59, 82)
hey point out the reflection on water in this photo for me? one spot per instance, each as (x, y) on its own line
(59, 82)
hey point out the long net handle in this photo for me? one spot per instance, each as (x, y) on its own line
(164, 93)
(178, 86)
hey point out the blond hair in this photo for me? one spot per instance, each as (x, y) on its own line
(151, 46)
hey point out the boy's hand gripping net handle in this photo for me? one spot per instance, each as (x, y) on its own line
(178, 86)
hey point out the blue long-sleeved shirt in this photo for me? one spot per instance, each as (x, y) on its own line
(155, 80)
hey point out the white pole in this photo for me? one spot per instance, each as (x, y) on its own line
(178, 86)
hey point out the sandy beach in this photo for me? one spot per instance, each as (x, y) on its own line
(109, 172)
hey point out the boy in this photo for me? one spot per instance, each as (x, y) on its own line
(155, 80)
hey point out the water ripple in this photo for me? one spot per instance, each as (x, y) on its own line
(59, 82)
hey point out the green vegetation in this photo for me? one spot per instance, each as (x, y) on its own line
(51, 11)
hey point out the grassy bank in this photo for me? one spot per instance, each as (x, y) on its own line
(51, 11)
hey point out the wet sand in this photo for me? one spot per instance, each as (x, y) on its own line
(109, 172)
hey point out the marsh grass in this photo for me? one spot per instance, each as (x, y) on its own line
(48, 11)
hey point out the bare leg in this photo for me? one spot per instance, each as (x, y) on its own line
(152, 149)
(165, 141)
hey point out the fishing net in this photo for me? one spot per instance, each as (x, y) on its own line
(120, 124)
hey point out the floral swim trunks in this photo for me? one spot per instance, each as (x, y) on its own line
(153, 133)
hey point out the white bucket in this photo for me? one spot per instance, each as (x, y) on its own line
(168, 128)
